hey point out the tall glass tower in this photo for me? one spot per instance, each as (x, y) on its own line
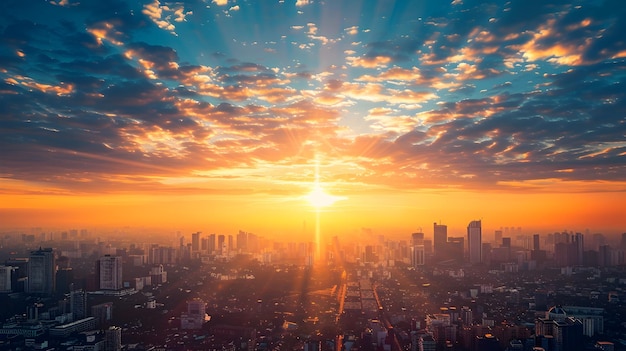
(474, 242)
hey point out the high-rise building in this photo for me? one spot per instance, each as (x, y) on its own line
(498, 236)
(536, 245)
(211, 245)
(78, 304)
(417, 250)
(110, 272)
(242, 241)
(113, 339)
(417, 256)
(455, 247)
(195, 242)
(474, 242)
(231, 243)
(221, 241)
(41, 272)
(579, 248)
(440, 239)
(5, 278)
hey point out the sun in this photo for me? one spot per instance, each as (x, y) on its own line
(318, 198)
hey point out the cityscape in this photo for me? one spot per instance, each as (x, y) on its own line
(77, 290)
(313, 175)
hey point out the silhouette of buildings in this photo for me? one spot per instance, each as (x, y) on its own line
(41, 272)
(474, 242)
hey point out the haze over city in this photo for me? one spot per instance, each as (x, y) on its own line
(221, 115)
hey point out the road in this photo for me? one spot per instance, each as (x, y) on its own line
(382, 316)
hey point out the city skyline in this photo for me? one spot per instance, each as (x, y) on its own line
(288, 117)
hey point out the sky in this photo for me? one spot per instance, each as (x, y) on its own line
(220, 115)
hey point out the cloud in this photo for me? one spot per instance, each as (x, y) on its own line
(449, 101)
(300, 3)
(369, 62)
(161, 15)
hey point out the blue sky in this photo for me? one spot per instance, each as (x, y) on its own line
(205, 96)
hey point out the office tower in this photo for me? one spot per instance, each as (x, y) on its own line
(110, 272)
(221, 240)
(474, 242)
(417, 256)
(456, 246)
(231, 243)
(578, 248)
(506, 243)
(440, 239)
(242, 241)
(195, 242)
(204, 244)
(41, 272)
(78, 304)
(5, 278)
(623, 241)
(113, 339)
(211, 243)
(417, 250)
(498, 236)
(536, 242)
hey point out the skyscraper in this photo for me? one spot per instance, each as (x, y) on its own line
(474, 242)
(110, 272)
(578, 248)
(6, 273)
(417, 249)
(113, 339)
(195, 242)
(417, 256)
(242, 241)
(440, 238)
(78, 304)
(41, 272)
(221, 241)
(211, 246)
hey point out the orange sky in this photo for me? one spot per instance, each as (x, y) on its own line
(216, 116)
(268, 212)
